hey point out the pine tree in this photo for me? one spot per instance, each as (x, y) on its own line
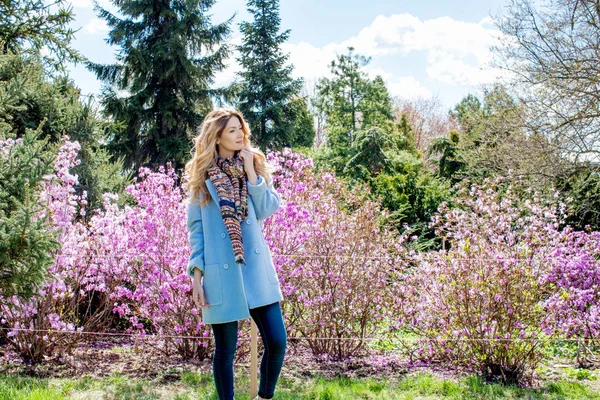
(26, 240)
(350, 100)
(169, 54)
(301, 120)
(30, 101)
(353, 104)
(28, 26)
(267, 84)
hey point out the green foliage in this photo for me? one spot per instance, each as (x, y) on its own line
(26, 241)
(421, 385)
(475, 119)
(300, 122)
(412, 194)
(352, 105)
(364, 145)
(267, 86)
(376, 105)
(584, 189)
(168, 55)
(448, 165)
(29, 26)
(404, 137)
(491, 141)
(29, 100)
(495, 139)
(368, 155)
(305, 150)
(351, 101)
(37, 108)
(466, 112)
(98, 174)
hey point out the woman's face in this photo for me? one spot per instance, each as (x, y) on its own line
(232, 138)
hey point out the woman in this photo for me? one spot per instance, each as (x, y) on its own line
(231, 192)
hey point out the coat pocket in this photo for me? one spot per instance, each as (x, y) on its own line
(269, 265)
(212, 284)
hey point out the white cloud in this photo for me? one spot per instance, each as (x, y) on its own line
(401, 86)
(448, 68)
(455, 52)
(386, 35)
(487, 21)
(312, 63)
(309, 62)
(96, 26)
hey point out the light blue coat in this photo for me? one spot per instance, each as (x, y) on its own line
(232, 289)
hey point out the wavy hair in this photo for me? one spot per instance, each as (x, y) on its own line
(205, 153)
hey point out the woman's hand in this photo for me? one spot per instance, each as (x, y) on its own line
(248, 157)
(198, 294)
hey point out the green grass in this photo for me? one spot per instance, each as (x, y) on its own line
(192, 386)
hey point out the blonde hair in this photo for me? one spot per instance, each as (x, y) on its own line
(205, 153)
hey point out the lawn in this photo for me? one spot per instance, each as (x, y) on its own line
(121, 369)
(192, 385)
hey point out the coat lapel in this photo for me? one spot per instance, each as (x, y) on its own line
(213, 191)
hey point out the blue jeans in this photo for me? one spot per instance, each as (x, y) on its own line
(272, 331)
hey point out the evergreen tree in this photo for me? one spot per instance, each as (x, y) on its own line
(26, 242)
(405, 137)
(364, 145)
(301, 120)
(353, 104)
(377, 108)
(467, 113)
(368, 153)
(38, 105)
(169, 53)
(28, 26)
(30, 101)
(343, 97)
(448, 162)
(267, 84)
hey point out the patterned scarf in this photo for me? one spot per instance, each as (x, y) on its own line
(229, 178)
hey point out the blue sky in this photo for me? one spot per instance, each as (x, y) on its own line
(421, 48)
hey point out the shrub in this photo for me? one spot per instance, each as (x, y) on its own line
(147, 246)
(125, 265)
(478, 304)
(573, 306)
(334, 257)
(30, 319)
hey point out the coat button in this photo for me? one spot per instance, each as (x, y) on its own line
(223, 235)
(257, 251)
(248, 221)
(225, 266)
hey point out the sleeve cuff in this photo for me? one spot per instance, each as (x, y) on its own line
(191, 266)
(259, 188)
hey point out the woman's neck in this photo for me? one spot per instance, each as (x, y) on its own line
(226, 153)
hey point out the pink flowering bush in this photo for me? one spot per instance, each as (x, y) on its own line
(150, 242)
(573, 307)
(479, 303)
(334, 257)
(509, 277)
(136, 261)
(29, 320)
(122, 267)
